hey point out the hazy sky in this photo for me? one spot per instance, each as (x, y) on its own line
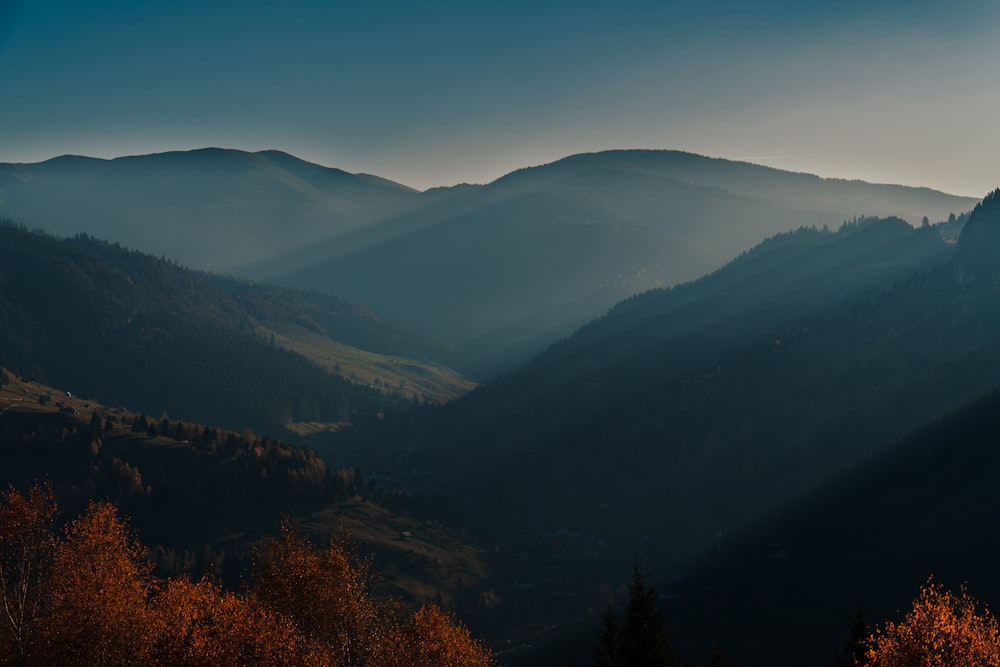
(434, 93)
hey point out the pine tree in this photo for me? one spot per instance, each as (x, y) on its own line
(643, 637)
(856, 646)
(607, 647)
(644, 632)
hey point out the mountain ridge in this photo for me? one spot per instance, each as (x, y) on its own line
(498, 270)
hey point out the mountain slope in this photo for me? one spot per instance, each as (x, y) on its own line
(709, 406)
(505, 268)
(500, 270)
(925, 506)
(211, 209)
(123, 326)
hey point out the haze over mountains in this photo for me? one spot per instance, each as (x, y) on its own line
(499, 270)
(806, 327)
(689, 415)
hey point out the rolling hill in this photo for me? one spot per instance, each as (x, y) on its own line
(211, 209)
(499, 270)
(504, 269)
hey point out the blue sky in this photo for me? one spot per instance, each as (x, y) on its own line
(436, 93)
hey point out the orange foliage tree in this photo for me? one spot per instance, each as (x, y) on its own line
(204, 626)
(99, 587)
(326, 593)
(941, 630)
(432, 637)
(88, 597)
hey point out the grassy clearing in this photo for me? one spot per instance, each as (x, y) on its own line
(415, 559)
(428, 382)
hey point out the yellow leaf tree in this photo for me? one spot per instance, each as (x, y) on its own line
(99, 588)
(326, 593)
(941, 630)
(202, 625)
(432, 637)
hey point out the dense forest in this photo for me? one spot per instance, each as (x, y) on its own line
(84, 594)
(134, 330)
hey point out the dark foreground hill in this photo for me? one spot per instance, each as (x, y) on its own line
(925, 507)
(687, 416)
(131, 329)
(501, 270)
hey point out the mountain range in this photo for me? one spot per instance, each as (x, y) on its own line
(750, 380)
(498, 270)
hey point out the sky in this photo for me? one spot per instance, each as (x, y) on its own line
(436, 93)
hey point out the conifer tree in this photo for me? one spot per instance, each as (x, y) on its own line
(856, 645)
(641, 640)
(644, 630)
(606, 648)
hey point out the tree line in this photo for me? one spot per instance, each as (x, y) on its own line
(85, 595)
(941, 629)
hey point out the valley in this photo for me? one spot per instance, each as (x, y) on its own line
(751, 425)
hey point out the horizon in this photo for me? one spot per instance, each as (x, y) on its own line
(444, 94)
(748, 161)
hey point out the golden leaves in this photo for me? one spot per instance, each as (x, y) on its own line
(941, 630)
(98, 603)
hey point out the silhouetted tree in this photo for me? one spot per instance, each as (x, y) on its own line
(606, 649)
(856, 645)
(641, 640)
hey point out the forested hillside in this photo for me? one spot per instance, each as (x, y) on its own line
(131, 329)
(498, 270)
(199, 496)
(504, 269)
(687, 415)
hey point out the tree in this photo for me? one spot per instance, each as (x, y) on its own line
(204, 625)
(941, 630)
(606, 649)
(27, 541)
(641, 640)
(644, 631)
(856, 645)
(325, 592)
(98, 595)
(432, 637)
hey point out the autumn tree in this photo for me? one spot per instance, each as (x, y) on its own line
(98, 595)
(326, 593)
(27, 540)
(432, 637)
(941, 630)
(202, 625)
